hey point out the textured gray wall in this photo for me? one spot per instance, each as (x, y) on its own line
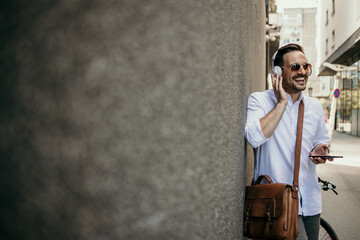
(124, 119)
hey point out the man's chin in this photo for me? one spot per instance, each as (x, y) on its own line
(300, 88)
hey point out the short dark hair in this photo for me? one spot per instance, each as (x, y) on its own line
(279, 59)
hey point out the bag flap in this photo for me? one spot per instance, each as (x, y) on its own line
(264, 198)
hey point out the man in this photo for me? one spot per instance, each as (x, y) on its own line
(271, 128)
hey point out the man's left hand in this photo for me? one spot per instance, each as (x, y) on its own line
(320, 150)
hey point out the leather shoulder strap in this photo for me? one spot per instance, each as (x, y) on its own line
(298, 143)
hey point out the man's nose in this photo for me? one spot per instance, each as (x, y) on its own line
(302, 70)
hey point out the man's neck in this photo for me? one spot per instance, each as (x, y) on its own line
(295, 96)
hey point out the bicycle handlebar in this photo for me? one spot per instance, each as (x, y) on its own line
(327, 185)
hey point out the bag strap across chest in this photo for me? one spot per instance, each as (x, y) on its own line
(298, 143)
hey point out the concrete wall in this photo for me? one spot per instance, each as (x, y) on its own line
(124, 119)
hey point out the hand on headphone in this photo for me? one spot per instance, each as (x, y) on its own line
(278, 88)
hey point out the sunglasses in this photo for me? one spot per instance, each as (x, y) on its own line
(296, 67)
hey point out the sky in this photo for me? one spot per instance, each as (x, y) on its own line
(295, 4)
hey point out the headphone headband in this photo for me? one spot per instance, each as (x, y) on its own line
(273, 59)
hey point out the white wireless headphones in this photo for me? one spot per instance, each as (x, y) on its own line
(275, 69)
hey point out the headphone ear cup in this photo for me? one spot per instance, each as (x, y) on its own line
(277, 71)
(310, 72)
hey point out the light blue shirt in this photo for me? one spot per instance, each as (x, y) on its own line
(275, 156)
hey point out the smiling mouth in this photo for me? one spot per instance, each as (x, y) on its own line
(300, 81)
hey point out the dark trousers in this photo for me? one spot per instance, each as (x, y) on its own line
(309, 227)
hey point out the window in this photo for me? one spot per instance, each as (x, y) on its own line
(333, 39)
(327, 17)
(333, 8)
(326, 47)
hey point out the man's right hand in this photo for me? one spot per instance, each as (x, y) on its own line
(278, 89)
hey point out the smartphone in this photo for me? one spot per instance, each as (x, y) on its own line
(328, 156)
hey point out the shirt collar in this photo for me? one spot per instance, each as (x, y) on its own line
(301, 97)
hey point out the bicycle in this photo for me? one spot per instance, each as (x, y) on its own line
(326, 230)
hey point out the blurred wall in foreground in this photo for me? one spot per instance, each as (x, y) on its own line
(124, 119)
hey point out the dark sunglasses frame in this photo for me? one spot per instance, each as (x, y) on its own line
(296, 67)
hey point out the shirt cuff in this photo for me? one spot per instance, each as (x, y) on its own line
(254, 135)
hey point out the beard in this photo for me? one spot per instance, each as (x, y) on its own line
(299, 88)
(294, 86)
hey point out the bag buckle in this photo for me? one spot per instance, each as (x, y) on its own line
(247, 218)
(294, 192)
(269, 222)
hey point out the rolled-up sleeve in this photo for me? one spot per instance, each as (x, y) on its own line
(254, 112)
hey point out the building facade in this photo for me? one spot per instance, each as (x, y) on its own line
(298, 25)
(347, 114)
(338, 44)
